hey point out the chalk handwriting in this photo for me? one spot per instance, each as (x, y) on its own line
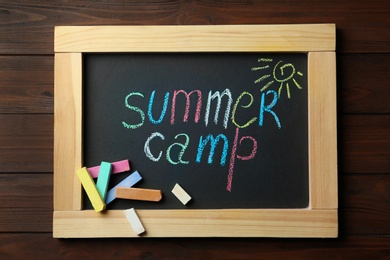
(219, 96)
(282, 75)
(164, 109)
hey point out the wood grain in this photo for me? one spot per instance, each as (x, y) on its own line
(26, 143)
(322, 126)
(21, 190)
(21, 246)
(25, 220)
(26, 84)
(217, 38)
(26, 90)
(29, 28)
(365, 202)
(68, 130)
(365, 143)
(199, 223)
(363, 83)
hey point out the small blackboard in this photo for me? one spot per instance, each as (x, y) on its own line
(264, 165)
(230, 128)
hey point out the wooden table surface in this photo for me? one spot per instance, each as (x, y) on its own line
(26, 126)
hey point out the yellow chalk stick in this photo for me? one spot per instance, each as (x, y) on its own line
(91, 190)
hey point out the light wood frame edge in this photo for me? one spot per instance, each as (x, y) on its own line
(68, 148)
(322, 130)
(199, 223)
(319, 220)
(218, 38)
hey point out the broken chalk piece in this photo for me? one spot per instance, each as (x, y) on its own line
(181, 194)
(91, 190)
(138, 194)
(127, 182)
(103, 179)
(134, 221)
(117, 167)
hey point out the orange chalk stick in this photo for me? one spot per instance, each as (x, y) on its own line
(138, 194)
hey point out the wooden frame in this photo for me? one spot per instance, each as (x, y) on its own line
(318, 220)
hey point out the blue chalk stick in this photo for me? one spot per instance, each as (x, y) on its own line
(128, 182)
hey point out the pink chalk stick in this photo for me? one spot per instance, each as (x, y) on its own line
(117, 167)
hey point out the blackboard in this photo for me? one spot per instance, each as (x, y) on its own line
(280, 83)
(132, 101)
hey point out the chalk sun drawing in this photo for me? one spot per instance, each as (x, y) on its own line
(282, 73)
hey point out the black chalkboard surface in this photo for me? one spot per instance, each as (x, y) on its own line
(136, 108)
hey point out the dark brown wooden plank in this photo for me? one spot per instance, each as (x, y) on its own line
(26, 143)
(28, 27)
(364, 204)
(363, 85)
(26, 84)
(364, 143)
(25, 220)
(20, 190)
(35, 246)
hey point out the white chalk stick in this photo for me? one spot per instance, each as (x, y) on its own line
(181, 194)
(134, 221)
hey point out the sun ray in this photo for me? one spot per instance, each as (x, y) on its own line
(280, 89)
(288, 91)
(283, 73)
(262, 78)
(296, 84)
(260, 68)
(267, 85)
(264, 60)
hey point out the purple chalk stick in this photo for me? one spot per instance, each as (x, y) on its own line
(128, 182)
